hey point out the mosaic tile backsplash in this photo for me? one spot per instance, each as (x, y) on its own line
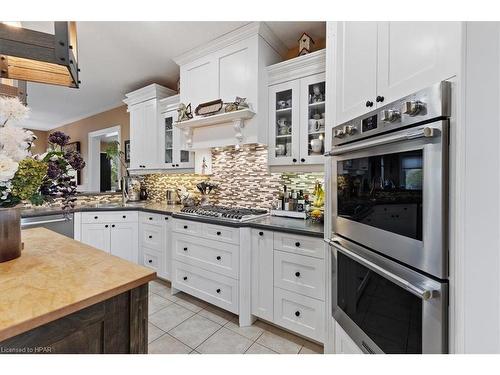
(242, 175)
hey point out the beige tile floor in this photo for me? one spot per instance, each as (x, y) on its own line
(182, 324)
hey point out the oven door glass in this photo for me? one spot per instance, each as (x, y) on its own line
(390, 315)
(383, 191)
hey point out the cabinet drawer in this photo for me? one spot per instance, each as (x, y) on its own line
(187, 227)
(150, 218)
(221, 233)
(297, 244)
(211, 287)
(299, 313)
(152, 259)
(300, 274)
(152, 236)
(211, 255)
(110, 217)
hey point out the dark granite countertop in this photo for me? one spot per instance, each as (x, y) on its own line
(280, 224)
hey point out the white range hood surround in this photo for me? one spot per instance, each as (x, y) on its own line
(230, 66)
(213, 131)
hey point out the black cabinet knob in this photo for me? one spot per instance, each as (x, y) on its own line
(294, 160)
(297, 313)
(106, 226)
(297, 274)
(166, 218)
(302, 160)
(218, 257)
(124, 216)
(369, 103)
(219, 233)
(177, 165)
(380, 99)
(150, 218)
(150, 236)
(261, 233)
(185, 278)
(218, 290)
(96, 217)
(173, 165)
(297, 244)
(185, 227)
(185, 249)
(112, 226)
(150, 261)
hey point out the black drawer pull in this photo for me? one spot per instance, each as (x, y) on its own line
(96, 217)
(218, 290)
(185, 278)
(185, 249)
(124, 216)
(297, 244)
(150, 236)
(219, 233)
(106, 226)
(150, 218)
(185, 227)
(303, 160)
(261, 233)
(166, 218)
(297, 313)
(112, 226)
(297, 274)
(218, 257)
(150, 261)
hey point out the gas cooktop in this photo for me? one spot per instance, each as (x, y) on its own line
(225, 213)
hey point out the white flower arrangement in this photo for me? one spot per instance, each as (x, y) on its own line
(15, 142)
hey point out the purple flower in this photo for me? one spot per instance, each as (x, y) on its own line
(59, 138)
(53, 170)
(75, 160)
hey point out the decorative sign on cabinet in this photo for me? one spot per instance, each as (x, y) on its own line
(297, 98)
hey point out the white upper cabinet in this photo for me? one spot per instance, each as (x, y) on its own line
(144, 126)
(230, 66)
(173, 152)
(297, 102)
(379, 62)
(356, 68)
(413, 55)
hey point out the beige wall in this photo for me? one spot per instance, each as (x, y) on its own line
(79, 130)
(40, 145)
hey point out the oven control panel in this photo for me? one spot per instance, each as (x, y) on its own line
(428, 104)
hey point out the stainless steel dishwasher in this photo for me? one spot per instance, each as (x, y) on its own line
(60, 223)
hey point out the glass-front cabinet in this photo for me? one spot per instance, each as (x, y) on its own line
(297, 121)
(173, 155)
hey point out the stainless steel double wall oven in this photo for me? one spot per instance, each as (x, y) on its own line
(389, 230)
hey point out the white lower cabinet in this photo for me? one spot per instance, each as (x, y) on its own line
(288, 281)
(155, 243)
(343, 343)
(300, 314)
(209, 286)
(262, 274)
(113, 232)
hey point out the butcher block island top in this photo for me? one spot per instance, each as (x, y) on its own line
(57, 276)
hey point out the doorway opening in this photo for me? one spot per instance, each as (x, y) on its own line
(104, 173)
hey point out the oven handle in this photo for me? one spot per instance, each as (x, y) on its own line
(423, 294)
(424, 132)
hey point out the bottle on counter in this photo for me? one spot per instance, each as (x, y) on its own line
(286, 204)
(300, 201)
(294, 201)
(307, 203)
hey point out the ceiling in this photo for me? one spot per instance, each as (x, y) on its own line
(119, 57)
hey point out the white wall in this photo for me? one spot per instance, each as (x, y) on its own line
(481, 184)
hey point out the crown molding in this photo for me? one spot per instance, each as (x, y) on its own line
(153, 91)
(302, 66)
(232, 37)
(170, 103)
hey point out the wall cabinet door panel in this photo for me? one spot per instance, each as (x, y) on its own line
(234, 75)
(356, 68)
(414, 55)
(198, 82)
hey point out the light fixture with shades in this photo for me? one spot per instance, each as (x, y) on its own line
(29, 55)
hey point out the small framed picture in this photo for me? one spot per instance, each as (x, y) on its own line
(127, 151)
(75, 146)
